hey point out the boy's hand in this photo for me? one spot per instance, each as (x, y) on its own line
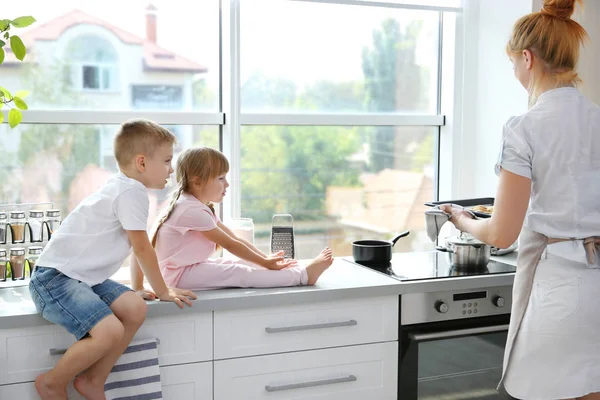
(146, 294)
(179, 296)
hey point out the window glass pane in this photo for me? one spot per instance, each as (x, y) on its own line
(320, 57)
(66, 163)
(173, 43)
(339, 183)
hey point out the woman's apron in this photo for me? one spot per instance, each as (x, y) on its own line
(531, 248)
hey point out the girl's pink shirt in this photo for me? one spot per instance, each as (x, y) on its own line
(180, 242)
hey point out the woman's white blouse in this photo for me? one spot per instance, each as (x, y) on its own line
(556, 144)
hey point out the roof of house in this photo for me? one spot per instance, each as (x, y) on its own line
(155, 57)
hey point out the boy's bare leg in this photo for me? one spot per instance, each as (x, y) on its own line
(318, 265)
(52, 385)
(130, 309)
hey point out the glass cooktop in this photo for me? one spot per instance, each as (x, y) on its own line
(433, 265)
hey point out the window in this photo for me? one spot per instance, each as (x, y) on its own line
(94, 64)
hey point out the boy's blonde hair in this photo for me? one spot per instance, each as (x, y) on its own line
(139, 136)
(553, 37)
(201, 163)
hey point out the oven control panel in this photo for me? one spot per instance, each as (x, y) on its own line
(419, 308)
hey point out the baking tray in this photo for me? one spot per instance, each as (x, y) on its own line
(467, 203)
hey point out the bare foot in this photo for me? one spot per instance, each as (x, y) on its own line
(47, 390)
(88, 388)
(318, 265)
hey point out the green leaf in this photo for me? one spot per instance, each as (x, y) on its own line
(1, 117)
(2, 43)
(22, 22)
(1, 55)
(4, 24)
(17, 46)
(5, 93)
(14, 117)
(21, 105)
(6, 35)
(22, 93)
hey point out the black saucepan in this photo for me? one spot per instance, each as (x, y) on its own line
(374, 251)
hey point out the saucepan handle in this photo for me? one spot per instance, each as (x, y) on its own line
(403, 234)
(444, 249)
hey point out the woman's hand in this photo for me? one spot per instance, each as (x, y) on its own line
(458, 216)
(146, 294)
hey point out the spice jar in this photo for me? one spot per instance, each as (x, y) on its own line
(17, 226)
(17, 262)
(53, 220)
(33, 253)
(2, 265)
(3, 222)
(36, 217)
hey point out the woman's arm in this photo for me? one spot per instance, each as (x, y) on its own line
(233, 235)
(510, 207)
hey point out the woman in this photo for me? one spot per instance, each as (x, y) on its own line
(549, 193)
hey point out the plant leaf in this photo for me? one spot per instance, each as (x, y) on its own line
(22, 93)
(2, 43)
(14, 117)
(21, 105)
(6, 35)
(17, 46)
(1, 55)
(4, 24)
(5, 93)
(1, 117)
(22, 22)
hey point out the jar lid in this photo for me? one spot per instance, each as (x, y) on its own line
(463, 240)
(52, 213)
(17, 251)
(17, 214)
(36, 213)
(35, 249)
(2, 215)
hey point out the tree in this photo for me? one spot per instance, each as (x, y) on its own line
(393, 82)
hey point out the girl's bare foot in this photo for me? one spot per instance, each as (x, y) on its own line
(47, 390)
(318, 265)
(89, 389)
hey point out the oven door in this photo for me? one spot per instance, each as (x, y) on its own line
(460, 360)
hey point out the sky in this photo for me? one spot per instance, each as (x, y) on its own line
(299, 40)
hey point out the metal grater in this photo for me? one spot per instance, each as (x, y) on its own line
(282, 235)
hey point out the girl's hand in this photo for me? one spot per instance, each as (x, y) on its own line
(146, 294)
(278, 262)
(458, 216)
(178, 296)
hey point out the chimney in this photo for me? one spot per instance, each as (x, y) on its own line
(151, 23)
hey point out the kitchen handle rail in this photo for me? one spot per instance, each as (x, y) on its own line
(301, 385)
(58, 352)
(457, 333)
(351, 322)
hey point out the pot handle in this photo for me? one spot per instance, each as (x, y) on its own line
(403, 234)
(444, 249)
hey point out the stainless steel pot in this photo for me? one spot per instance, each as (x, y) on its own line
(466, 252)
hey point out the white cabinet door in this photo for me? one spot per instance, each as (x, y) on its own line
(179, 382)
(271, 330)
(187, 382)
(184, 338)
(344, 373)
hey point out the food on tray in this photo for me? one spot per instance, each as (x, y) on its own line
(483, 209)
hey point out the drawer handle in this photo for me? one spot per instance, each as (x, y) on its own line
(58, 352)
(301, 385)
(351, 322)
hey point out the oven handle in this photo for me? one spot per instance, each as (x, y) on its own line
(457, 333)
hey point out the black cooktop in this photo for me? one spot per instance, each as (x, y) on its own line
(425, 265)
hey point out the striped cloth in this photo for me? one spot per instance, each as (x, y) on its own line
(136, 375)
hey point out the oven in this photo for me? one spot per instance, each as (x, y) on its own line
(452, 344)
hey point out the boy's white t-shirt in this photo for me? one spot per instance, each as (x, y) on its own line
(91, 244)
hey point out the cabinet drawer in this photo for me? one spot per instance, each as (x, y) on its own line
(304, 327)
(26, 352)
(179, 382)
(183, 339)
(344, 373)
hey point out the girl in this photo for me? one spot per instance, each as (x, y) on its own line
(189, 232)
(549, 170)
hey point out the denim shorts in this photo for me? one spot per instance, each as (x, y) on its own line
(70, 303)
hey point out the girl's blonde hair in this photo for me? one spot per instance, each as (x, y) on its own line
(553, 37)
(197, 165)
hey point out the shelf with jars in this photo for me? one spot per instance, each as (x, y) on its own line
(25, 229)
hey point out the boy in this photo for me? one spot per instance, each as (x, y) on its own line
(71, 288)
